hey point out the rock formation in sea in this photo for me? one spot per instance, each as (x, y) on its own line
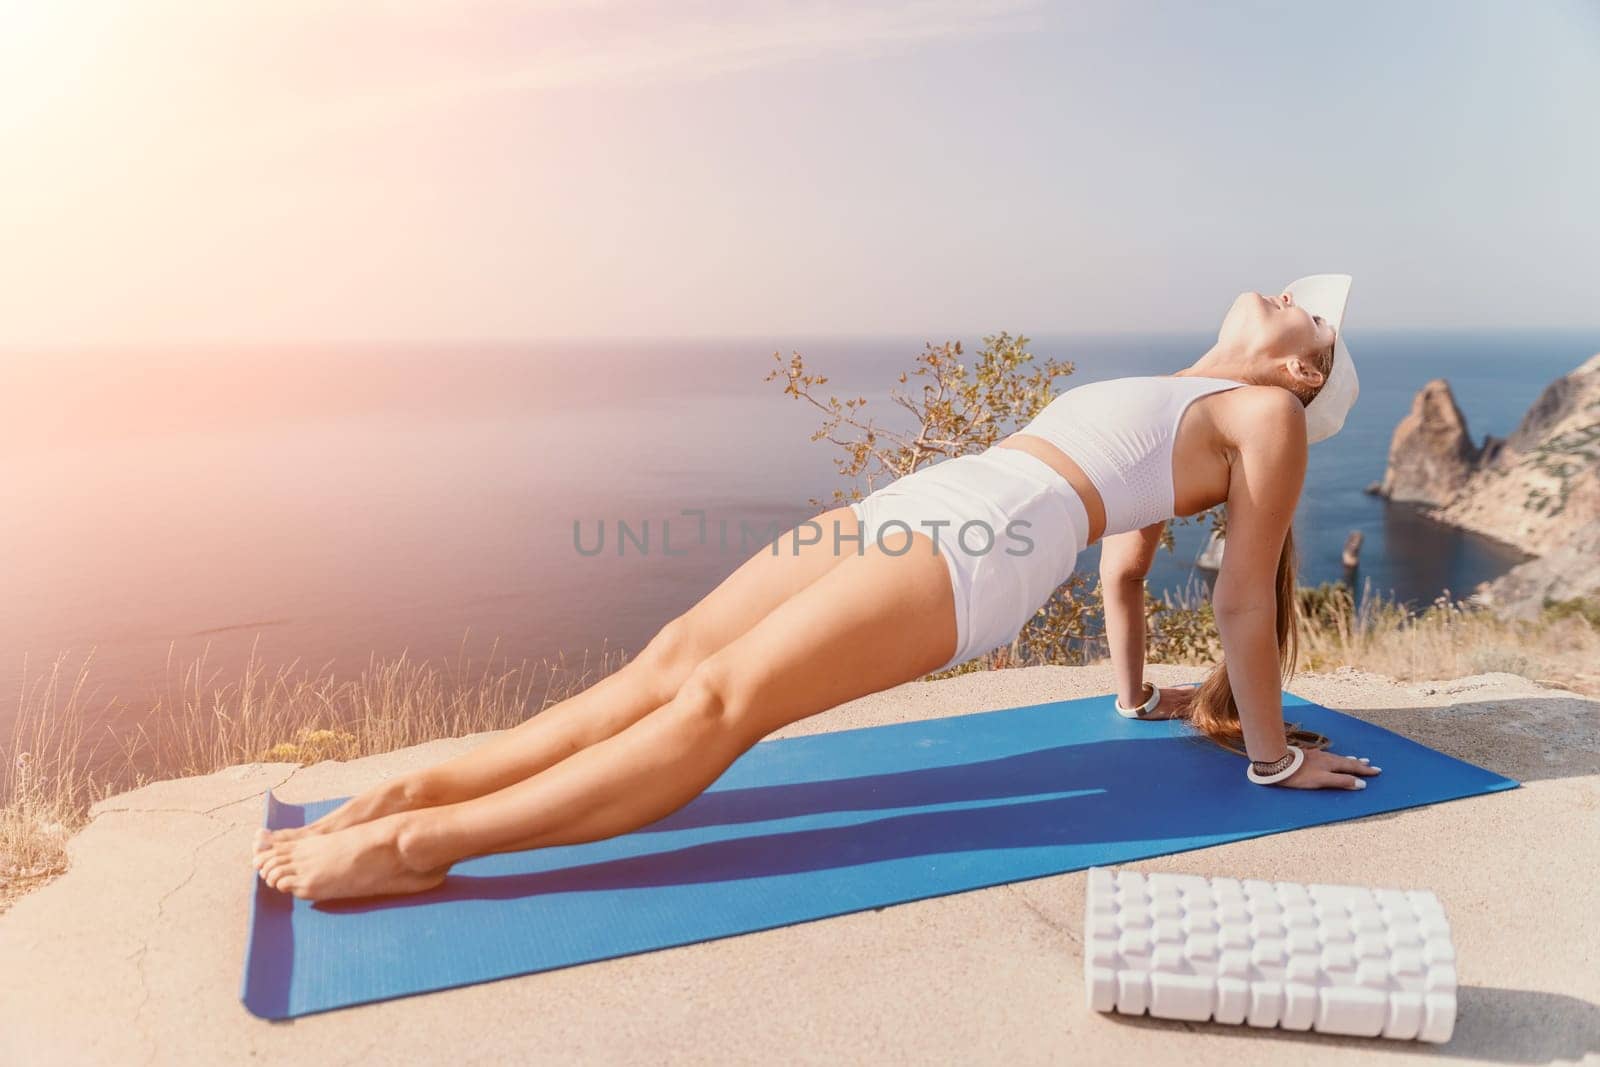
(1431, 455)
(1539, 489)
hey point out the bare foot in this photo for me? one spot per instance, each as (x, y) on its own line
(359, 861)
(385, 798)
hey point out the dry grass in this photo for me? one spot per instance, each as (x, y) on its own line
(44, 796)
(1450, 640)
(69, 749)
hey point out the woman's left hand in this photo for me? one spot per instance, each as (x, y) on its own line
(1325, 770)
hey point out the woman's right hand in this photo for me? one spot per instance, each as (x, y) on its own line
(1324, 770)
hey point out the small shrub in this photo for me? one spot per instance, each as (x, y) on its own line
(1182, 628)
(1586, 608)
(1330, 604)
(313, 746)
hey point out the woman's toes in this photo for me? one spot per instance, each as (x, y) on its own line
(282, 873)
(276, 863)
(266, 855)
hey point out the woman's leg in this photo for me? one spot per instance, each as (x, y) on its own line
(615, 702)
(869, 623)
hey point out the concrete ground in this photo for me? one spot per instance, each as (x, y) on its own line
(134, 955)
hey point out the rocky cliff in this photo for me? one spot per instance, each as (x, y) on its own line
(1543, 484)
(1566, 573)
(1539, 489)
(1431, 456)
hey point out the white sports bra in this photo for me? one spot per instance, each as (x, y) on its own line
(1121, 433)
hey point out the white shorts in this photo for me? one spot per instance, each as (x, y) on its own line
(1007, 524)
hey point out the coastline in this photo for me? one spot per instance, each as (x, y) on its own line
(1536, 489)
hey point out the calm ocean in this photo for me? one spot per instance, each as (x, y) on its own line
(328, 505)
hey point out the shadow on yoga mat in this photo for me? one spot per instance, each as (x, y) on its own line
(808, 827)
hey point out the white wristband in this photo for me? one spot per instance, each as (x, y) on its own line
(1144, 709)
(1298, 755)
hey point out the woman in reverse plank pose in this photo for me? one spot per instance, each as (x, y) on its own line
(931, 570)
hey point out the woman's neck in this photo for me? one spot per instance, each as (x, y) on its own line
(1218, 362)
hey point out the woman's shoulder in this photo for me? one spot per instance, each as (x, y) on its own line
(1262, 415)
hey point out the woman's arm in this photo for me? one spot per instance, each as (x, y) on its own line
(1263, 488)
(1125, 560)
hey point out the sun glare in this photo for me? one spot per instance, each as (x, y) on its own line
(46, 53)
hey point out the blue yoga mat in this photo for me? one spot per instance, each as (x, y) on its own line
(807, 827)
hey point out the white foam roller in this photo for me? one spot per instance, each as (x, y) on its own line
(1334, 958)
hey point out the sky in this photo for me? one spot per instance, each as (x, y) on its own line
(246, 171)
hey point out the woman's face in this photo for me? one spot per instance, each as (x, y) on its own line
(1273, 328)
